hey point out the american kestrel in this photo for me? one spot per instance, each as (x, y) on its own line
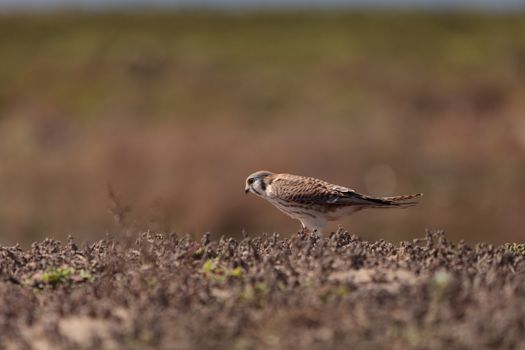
(314, 202)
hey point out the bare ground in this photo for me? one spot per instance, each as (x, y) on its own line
(338, 292)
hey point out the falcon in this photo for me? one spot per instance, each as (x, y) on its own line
(314, 202)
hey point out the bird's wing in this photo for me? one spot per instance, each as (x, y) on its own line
(307, 190)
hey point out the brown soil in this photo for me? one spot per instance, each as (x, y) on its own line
(338, 292)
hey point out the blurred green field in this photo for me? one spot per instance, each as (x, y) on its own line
(249, 65)
(175, 109)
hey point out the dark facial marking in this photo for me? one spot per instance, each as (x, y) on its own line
(263, 185)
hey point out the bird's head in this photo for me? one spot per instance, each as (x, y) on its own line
(258, 182)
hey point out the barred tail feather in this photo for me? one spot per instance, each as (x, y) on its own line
(402, 198)
(383, 202)
(401, 201)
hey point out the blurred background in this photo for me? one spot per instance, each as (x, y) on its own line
(172, 104)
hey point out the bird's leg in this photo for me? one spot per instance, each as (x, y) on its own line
(303, 230)
(310, 230)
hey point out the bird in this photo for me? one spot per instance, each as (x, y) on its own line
(314, 202)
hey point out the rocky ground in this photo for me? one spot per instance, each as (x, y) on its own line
(337, 292)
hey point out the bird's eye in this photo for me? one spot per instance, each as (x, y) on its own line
(250, 181)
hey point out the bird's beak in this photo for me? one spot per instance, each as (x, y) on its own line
(246, 189)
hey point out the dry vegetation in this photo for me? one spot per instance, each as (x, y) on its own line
(337, 292)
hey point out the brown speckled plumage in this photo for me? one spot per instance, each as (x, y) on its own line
(309, 190)
(314, 201)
